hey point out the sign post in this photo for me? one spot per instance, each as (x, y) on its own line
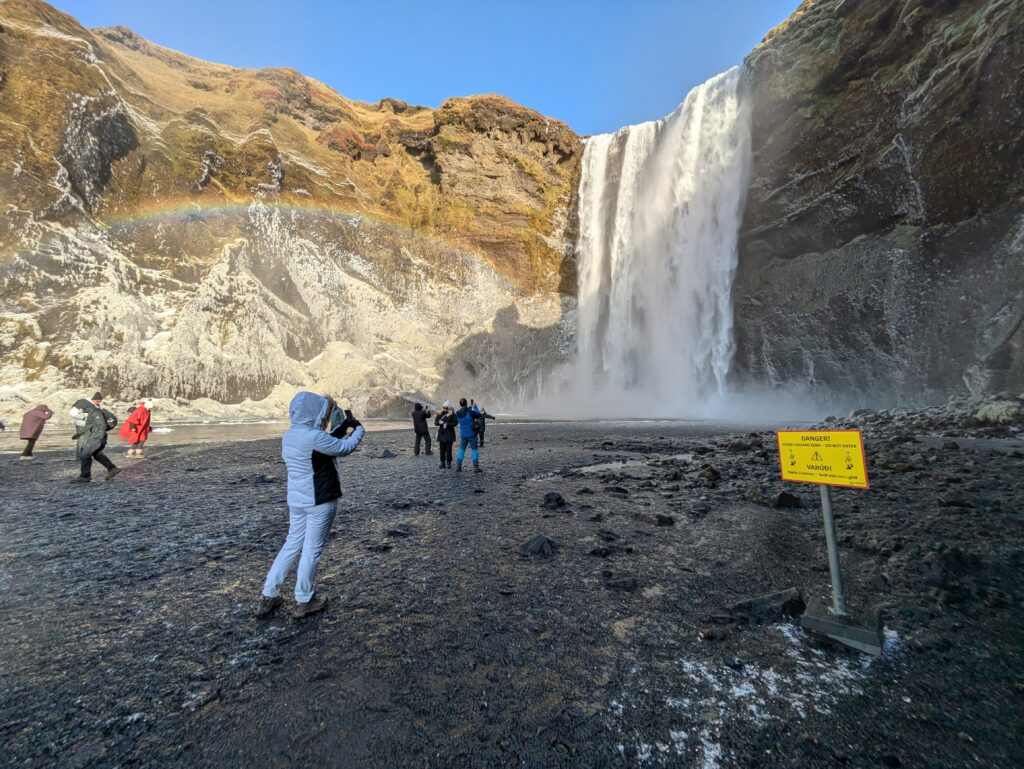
(830, 458)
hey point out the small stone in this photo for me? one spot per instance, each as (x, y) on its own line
(665, 520)
(540, 546)
(388, 454)
(624, 583)
(785, 500)
(553, 501)
(585, 490)
(710, 474)
(401, 530)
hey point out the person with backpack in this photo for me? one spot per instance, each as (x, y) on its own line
(32, 424)
(420, 416)
(314, 488)
(469, 425)
(92, 423)
(484, 416)
(137, 427)
(446, 422)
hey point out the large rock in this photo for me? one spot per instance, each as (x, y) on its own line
(183, 229)
(881, 251)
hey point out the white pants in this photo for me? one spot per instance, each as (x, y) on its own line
(308, 528)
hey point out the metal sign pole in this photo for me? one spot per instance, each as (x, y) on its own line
(838, 602)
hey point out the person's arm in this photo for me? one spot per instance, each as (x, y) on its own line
(438, 419)
(338, 447)
(485, 415)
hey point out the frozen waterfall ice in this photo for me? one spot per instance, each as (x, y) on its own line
(660, 206)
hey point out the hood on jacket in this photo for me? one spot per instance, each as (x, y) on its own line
(83, 405)
(308, 410)
(41, 408)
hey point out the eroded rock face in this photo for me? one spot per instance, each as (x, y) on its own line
(189, 230)
(882, 252)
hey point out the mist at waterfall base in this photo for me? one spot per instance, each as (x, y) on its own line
(660, 205)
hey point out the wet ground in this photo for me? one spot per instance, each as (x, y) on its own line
(128, 638)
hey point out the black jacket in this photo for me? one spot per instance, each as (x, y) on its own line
(90, 429)
(446, 427)
(419, 421)
(484, 416)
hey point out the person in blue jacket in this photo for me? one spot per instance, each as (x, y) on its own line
(313, 491)
(467, 416)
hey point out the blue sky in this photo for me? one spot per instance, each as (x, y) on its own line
(597, 65)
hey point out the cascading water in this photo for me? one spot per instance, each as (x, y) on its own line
(660, 207)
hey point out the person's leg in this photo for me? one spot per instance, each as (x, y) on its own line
(30, 443)
(86, 467)
(481, 438)
(463, 442)
(416, 451)
(318, 527)
(138, 448)
(102, 458)
(426, 440)
(441, 448)
(476, 453)
(288, 553)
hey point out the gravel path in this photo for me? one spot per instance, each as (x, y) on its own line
(128, 638)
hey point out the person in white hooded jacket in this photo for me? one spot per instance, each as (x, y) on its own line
(313, 492)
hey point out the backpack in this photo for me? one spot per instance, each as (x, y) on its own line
(111, 420)
(477, 423)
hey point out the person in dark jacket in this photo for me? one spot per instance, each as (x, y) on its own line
(91, 425)
(32, 424)
(467, 417)
(446, 422)
(313, 492)
(481, 422)
(420, 416)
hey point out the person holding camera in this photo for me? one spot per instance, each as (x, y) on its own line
(420, 416)
(468, 417)
(313, 492)
(446, 422)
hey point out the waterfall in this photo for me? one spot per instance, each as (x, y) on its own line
(660, 207)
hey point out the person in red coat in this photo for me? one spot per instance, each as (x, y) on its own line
(32, 427)
(137, 427)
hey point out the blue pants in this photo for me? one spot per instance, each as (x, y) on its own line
(471, 442)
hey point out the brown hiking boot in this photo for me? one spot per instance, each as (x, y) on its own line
(81, 479)
(312, 606)
(112, 472)
(267, 605)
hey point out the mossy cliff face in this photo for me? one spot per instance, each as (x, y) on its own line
(882, 252)
(183, 229)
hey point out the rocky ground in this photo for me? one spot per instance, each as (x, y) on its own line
(129, 641)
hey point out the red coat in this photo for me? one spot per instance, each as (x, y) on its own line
(137, 426)
(33, 421)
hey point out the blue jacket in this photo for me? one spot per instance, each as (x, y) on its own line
(465, 416)
(308, 452)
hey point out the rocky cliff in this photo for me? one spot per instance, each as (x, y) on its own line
(190, 230)
(882, 251)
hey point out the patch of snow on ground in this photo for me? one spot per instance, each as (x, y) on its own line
(710, 696)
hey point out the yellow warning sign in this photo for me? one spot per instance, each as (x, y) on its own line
(829, 457)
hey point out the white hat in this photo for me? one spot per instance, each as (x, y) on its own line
(446, 404)
(148, 403)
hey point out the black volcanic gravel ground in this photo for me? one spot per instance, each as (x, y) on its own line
(128, 638)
